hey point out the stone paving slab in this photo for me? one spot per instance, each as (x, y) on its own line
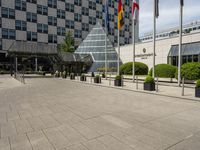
(59, 114)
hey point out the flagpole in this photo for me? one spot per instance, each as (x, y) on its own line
(106, 40)
(118, 60)
(180, 43)
(154, 38)
(133, 37)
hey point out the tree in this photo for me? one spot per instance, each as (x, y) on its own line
(68, 43)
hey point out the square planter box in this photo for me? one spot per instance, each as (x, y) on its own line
(197, 91)
(118, 82)
(97, 80)
(149, 86)
(83, 78)
(72, 77)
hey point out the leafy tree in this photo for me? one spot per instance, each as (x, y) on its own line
(68, 43)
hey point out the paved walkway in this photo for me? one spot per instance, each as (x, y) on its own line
(59, 114)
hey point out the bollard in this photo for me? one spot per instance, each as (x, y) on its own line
(137, 82)
(183, 82)
(110, 80)
(122, 81)
(91, 79)
(157, 85)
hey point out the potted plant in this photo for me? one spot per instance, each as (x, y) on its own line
(64, 74)
(83, 77)
(72, 76)
(118, 81)
(97, 79)
(92, 74)
(149, 84)
(197, 88)
(103, 75)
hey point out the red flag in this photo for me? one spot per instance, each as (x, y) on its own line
(120, 15)
(135, 10)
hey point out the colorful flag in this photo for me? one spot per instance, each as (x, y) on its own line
(135, 10)
(120, 15)
(156, 8)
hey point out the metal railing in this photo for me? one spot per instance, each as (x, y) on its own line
(20, 77)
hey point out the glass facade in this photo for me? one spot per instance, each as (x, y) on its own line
(94, 44)
(190, 53)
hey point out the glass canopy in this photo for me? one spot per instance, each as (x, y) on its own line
(94, 44)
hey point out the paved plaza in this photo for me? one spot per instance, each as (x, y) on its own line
(59, 114)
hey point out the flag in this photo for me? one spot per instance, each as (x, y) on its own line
(107, 24)
(135, 10)
(156, 8)
(120, 15)
(182, 2)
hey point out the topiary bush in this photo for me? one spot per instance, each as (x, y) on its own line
(191, 71)
(140, 68)
(164, 71)
(198, 83)
(149, 79)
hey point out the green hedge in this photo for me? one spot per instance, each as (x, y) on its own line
(140, 68)
(190, 71)
(164, 71)
(149, 79)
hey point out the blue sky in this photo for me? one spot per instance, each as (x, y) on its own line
(169, 14)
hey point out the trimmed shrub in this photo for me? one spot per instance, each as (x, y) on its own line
(198, 83)
(140, 68)
(118, 77)
(190, 71)
(149, 79)
(164, 71)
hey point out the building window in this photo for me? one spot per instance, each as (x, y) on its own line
(69, 7)
(92, 5)
(77, 17)
(85, 27)
(99, 14)
(8, 33)
(20, 5)
(61, 31)
(77, 2)
(69, 24)
(52, 21)
(8, 13)
(52, 3)
(61, 14)
(31, 17)
(32, 1)
(43, 10)
(99, 1)
(78, 34)
(20, 25)
(42, 28)
(52, 38)
(92, 20)
(85, 11)
(31, 36)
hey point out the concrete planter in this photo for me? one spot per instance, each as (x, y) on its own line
(83, 78)
(72, 76)
(97, 80)
(149, 86)
(118, 82)
(197, 91)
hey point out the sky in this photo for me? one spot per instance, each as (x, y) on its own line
(169, 14)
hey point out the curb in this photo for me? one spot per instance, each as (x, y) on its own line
(119, 88)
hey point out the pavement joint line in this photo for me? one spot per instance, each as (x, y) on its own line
(125, 89)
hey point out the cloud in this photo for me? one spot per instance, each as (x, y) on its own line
(169, 14)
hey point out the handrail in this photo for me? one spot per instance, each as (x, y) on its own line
(19, 77)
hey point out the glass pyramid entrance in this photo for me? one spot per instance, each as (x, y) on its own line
(94, 44)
